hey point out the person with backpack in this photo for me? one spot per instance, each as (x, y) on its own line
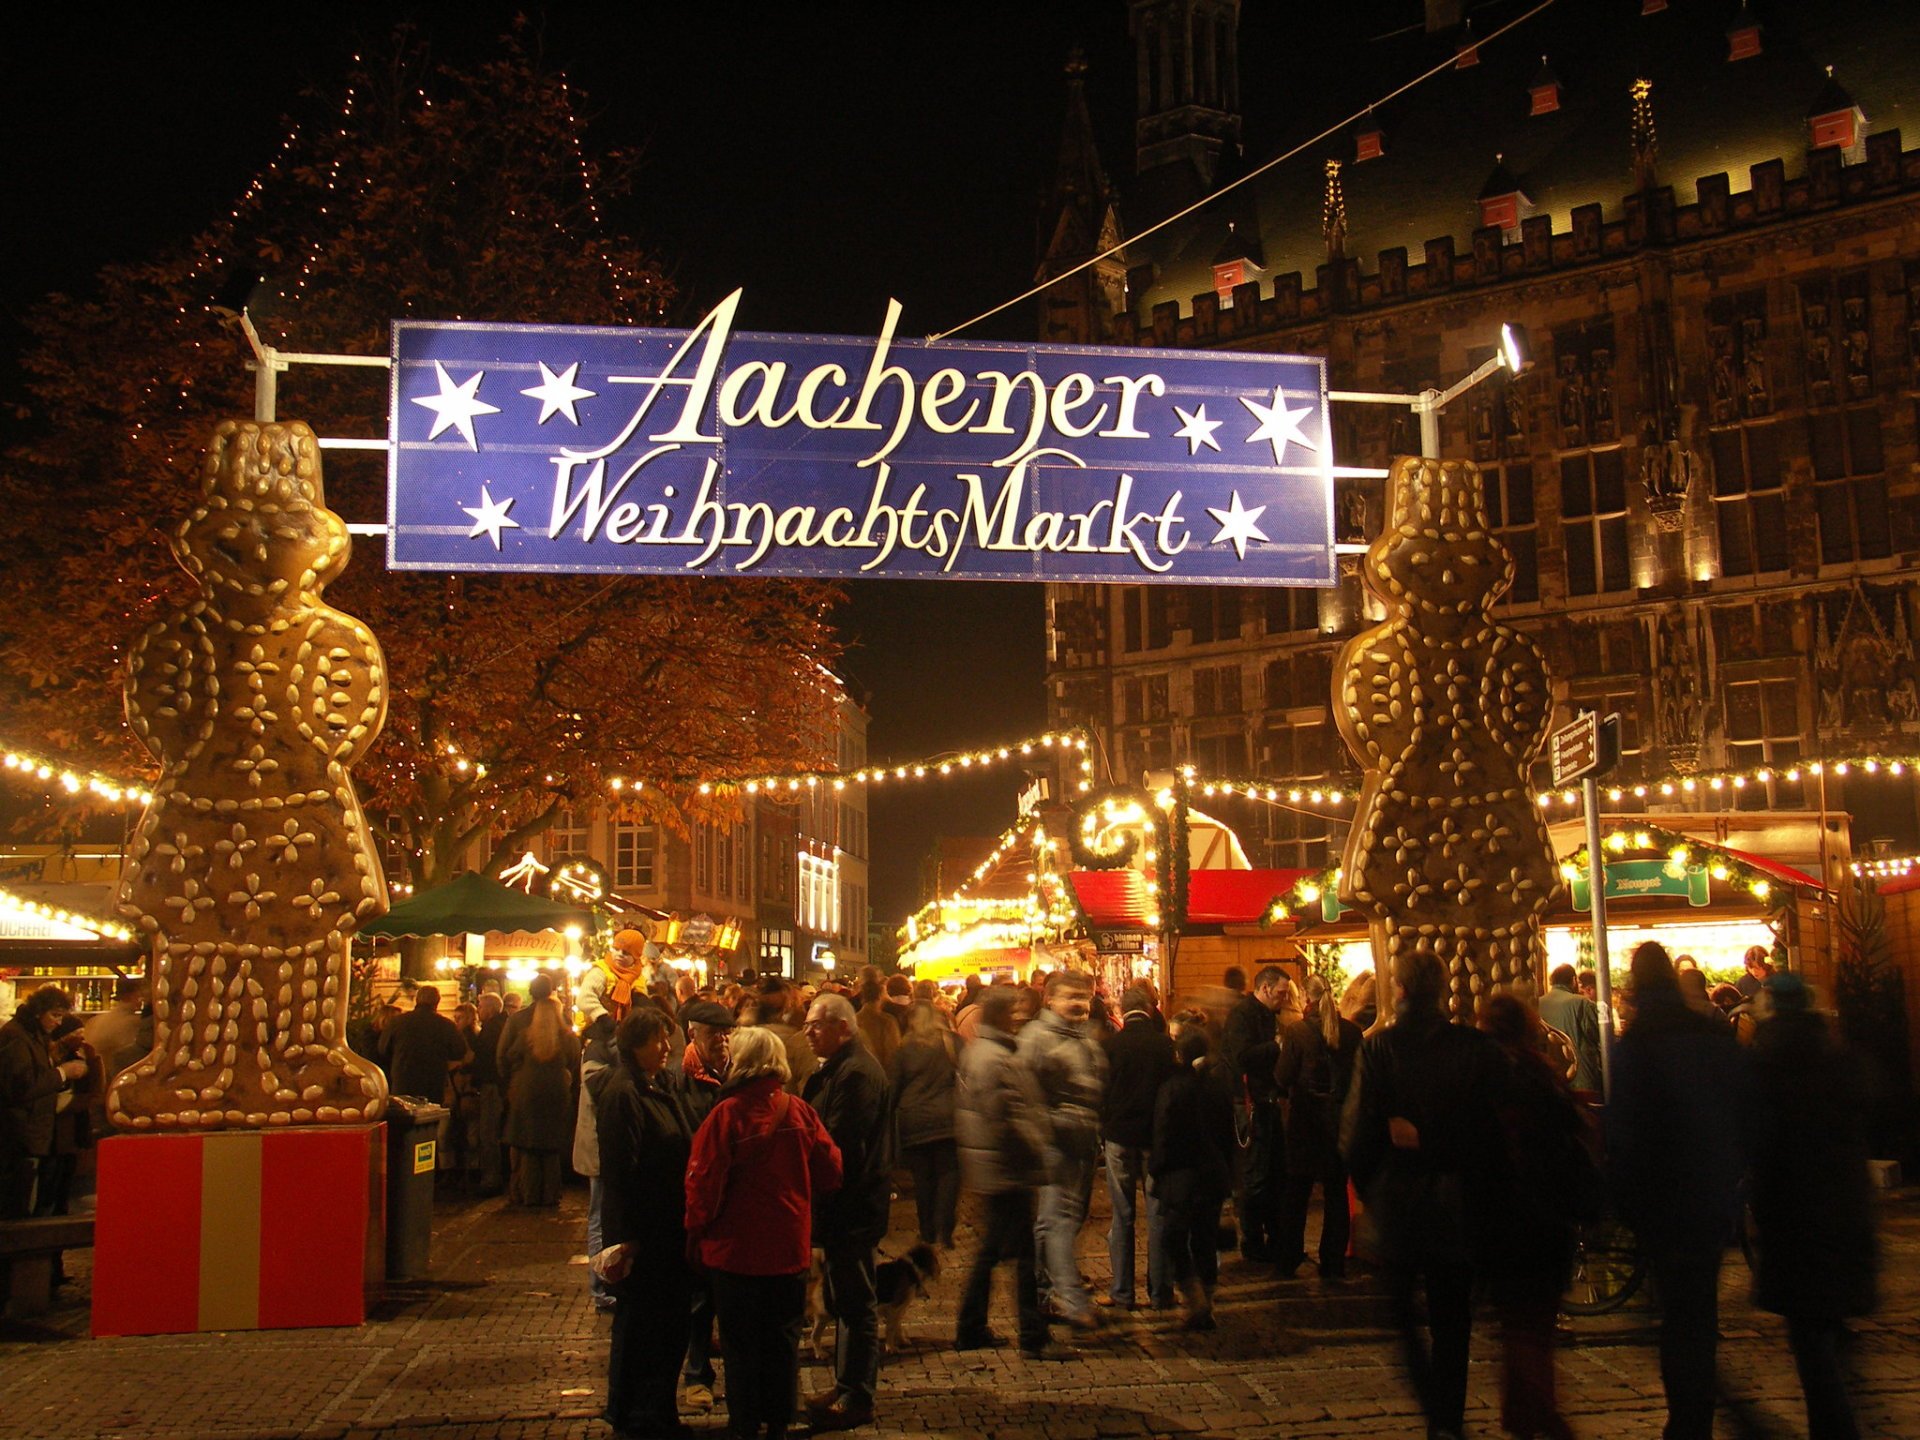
(1312, 1076)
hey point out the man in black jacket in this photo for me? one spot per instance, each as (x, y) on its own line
(850, 1092)
(490, 1102)
(1250, 1046)
(1139, 1060)
(1420, 1137)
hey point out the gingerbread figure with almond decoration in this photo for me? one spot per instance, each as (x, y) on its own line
(1446, 708)
(252, 866)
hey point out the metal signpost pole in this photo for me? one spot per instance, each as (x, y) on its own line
(1602, 972)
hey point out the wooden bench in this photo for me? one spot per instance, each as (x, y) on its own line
(29, 1249)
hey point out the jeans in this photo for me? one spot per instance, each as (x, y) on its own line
(851, 1301)
(1823, 1377)
(1008, 1235)
(1336, 1220)
(596, 1196)
(1127, 1174)
(643, 1358)
(1063, 1209)
(1686, 1281)
(760, 1321)
(1436, 1360)
(935, 1168)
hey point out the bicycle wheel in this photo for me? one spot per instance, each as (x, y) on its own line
(1607, 1269)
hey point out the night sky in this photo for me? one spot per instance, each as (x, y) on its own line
(825, 157)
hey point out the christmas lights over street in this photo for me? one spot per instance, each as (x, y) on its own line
(713, 450)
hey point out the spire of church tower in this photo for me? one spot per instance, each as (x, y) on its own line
(1187, 57)
(1078, 221)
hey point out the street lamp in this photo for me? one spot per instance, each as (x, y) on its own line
(1514, 354)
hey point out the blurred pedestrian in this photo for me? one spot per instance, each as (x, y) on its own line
(597, 1054)
(1071, 1072)
(1312, 1075)
(1756, 969)
(489, 1100)
(1817, 1255)
(878, 1030)
(1250, 1046)
(762, 1165)
(459, 1161)
(776, 1010)
(1548, 1183)
(419, 1049)
(644, 1138)
(1576, 1017)
(924, 1076)
(1002, 1129)
(542, 1058)
(122, 1034)
(1190, 1161)
(1678, 1125)
(32, 1079)
(851, 1094)
(1139, 1060)
(1419, 1137)
(706, 1066)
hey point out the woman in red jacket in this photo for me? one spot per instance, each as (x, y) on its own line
(760, 1161)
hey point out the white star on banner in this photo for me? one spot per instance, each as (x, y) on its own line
(1197, 429)
(1278, 424)
(558, 393)
(456, 405)
(1238, 524)
(490, 517)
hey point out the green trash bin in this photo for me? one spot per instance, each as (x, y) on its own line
(413, 1131)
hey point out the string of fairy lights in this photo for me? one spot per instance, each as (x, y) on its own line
(1682, 851)
(106, 929)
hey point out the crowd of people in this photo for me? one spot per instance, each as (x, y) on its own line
(741, 1142)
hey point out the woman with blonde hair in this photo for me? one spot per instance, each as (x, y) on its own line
(760, 1161)
(541, 1058)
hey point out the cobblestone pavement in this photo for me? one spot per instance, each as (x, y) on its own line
(503, 1345)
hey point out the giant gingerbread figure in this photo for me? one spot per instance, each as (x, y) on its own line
(252, 867)
(1445, 708)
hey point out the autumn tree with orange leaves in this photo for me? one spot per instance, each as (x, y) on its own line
(432, 191)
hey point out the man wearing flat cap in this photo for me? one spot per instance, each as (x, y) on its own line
(709, 1026)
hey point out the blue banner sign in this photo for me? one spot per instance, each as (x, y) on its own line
(714, 451)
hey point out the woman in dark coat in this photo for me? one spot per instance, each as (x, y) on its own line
(30, 1084)
(760, 1161)
(1812, 1197)
(1545, 1182)
(925, 1075)
(1312, 1075)
(1190, 1166)
(645, 1136)
(538, 1067)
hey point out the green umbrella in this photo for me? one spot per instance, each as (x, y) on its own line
(474, 904)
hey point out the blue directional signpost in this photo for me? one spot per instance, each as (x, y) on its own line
(713, 451)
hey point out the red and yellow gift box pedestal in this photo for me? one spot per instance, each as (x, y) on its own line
(242, 1230)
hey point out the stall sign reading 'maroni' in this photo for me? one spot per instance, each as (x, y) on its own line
(714, 451)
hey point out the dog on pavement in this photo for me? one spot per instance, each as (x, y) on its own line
(897, 1284)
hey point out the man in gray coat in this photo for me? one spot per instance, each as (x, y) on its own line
(1000, 1122)
(1576, 1017)
(1067, 1064)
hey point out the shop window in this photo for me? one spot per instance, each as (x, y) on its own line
(1850, 489)
(1593, 506)
(1748, 501)
(1297, 840)
(1144, 699)
(568, 837)
(1298, 751)
(1763, 729)
(1216, 690)
(1291, 609)
(635, 848)
(1297, 681)
(776, 951)
(1213, 613)
(1509, 494)
(1145, 620)
(1220, 755)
